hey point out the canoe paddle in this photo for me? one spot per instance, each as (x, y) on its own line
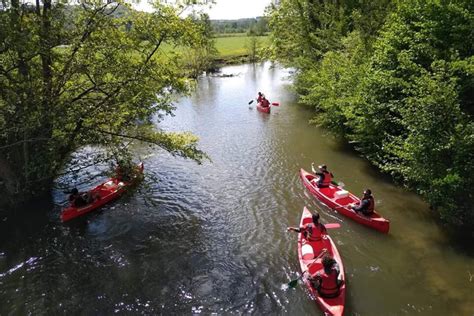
(250, 102)
(294, 282)
(332, 225)
(275, 104)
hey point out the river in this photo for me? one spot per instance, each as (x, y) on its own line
(211, 238)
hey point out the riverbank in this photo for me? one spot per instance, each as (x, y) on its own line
(238, 49)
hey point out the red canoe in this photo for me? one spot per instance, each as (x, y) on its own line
(340, 200)
(307, 251)
(263, 109)
(107, 191)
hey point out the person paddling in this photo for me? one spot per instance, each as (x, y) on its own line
(78, 199)
(366, 205)
(311, 231)
(260, 97)
(325, 177)
(326, 280)
(264, 102)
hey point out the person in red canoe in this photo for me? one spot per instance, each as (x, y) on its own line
(325, 177)
(260, 97)
(311, 231)
(326, 281)
(366, 205)
(78, 199)
(264, 103)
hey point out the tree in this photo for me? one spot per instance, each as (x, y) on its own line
(77, 76)
(416, 94)
(253, 46)
(202, 56)
(397, 83)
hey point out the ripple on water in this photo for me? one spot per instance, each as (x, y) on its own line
(212, 238)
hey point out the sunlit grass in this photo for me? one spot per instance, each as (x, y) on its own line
(236, 45)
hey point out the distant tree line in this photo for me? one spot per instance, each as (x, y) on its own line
(253, 27)
(396, 79)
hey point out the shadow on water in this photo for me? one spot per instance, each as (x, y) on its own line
(27, 221)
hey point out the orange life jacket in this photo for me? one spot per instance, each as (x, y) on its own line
(329, 286)
(327, 178)
(313, 233)
(265, 103)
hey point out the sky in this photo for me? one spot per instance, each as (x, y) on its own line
(226, 9)
(237, 9)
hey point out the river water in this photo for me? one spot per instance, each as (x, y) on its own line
(211, 238)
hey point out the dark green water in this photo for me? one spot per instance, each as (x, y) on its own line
(212, 239)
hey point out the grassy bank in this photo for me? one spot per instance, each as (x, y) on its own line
(235, 49)
(230, 49)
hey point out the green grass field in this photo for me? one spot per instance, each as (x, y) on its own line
(236, 45)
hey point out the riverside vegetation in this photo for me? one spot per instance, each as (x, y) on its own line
(84, 75)
(396, 79)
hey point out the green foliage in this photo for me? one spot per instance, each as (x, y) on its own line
(253, 26)
(259, 27)
(253, 47)
(396, 80)
(202, 57)
(77, 76)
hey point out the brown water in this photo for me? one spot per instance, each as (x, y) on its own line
(212, 239)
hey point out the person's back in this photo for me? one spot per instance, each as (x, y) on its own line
(329, 286)
(325, 177)
(76, 199)
(260, 97)
(327, 281)
(314, 231)
(311, 231)
(265, 103)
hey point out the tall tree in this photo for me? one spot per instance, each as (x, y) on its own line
(84, 75)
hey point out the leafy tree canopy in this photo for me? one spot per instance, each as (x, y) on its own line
(396, 79)
(85, 75)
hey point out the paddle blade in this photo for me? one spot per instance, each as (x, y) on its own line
(332, 225)
(250, 102)
(293, 283)
(275, 103)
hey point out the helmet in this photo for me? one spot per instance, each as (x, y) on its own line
(367, 192)
(323, 167)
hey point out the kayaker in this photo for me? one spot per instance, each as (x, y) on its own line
(325, 177)
(260, 97)
(326, 280)
(366, 205)
(311, 231)
(264, 102)
(80, 199)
